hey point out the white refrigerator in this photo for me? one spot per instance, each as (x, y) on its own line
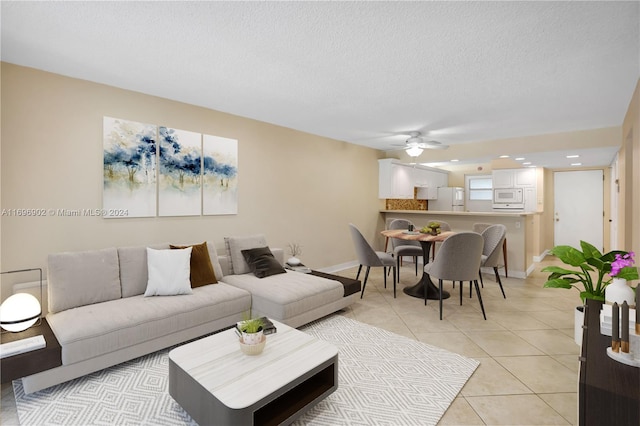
(450, 199)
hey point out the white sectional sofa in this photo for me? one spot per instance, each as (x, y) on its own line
(101, 317)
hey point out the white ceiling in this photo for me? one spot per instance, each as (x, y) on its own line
(361, 72)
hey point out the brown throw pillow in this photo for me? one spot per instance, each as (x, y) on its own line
(201, 268)
(262, 263)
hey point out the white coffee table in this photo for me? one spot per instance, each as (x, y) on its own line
(217, 384)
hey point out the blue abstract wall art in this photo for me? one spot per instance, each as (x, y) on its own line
(129, 163)
(220, 175)
(180, 177)
(154, 170)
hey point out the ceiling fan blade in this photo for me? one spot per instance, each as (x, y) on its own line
(426, 146)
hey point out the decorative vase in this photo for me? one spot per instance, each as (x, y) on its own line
(293, 261)
(618, 291)
(252, 338)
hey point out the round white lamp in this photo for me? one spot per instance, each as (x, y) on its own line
(19, 312)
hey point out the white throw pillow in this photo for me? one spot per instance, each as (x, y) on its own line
(168, 272)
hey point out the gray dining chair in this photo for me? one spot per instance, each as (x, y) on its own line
(479, 227)
(402, 248)
(458, 259)
(493, 237)
(444, 227)
(368, 257)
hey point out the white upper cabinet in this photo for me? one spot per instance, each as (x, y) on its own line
(514, 178)
(503, 178)
(525, 177)
(397, 180)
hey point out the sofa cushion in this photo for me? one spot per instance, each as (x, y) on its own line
(235, 245)
(202, 272)
(262, 263)
(168, 272)
(82, 278)
(134, 272)
(284, 296)
(94, 330)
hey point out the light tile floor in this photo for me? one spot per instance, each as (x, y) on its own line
(528, 373)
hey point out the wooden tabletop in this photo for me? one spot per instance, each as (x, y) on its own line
(416, 236)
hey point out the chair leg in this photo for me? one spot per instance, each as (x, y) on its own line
(394, 282)
(415, 261)
(495, 269)
(504, 256)
(397, 268)
(440, 288)
(384, 274)
(359, 269)
(481, 282)
(480, 299)
(364, 284)
(425, 293)
(460, 292)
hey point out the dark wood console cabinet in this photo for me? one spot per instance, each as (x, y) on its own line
(608, 391)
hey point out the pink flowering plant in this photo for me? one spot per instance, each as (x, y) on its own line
(592, 266)
(623, 267)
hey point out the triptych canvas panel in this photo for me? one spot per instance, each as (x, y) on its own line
(154, 170)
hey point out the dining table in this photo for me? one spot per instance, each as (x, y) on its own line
(425, 240)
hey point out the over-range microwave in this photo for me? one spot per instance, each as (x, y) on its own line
(508, 198)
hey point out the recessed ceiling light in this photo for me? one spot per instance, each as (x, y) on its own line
(526, 163)
(454, 160)
(519, 158)
(573, 156)
(504, 156)
(576, 164)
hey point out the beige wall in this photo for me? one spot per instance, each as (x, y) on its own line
(293, 186)
(629, 173)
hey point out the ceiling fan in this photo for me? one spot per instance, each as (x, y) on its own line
(416, 143)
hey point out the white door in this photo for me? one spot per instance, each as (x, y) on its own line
(613, 220)
(578, 203)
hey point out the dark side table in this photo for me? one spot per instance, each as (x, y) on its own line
(25, 364)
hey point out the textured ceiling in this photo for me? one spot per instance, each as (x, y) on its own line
(361, 72)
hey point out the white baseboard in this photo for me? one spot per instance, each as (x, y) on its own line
(540, 258)
(339, 267)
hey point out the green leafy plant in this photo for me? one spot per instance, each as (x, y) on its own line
(432, 228)
(593, 267)
(253, 325)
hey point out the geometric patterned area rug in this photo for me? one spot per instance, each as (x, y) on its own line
(384, 379)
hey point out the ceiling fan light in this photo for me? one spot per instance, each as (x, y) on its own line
(414, 151)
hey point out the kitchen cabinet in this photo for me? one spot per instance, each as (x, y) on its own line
(514, 178)
(395, 180)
